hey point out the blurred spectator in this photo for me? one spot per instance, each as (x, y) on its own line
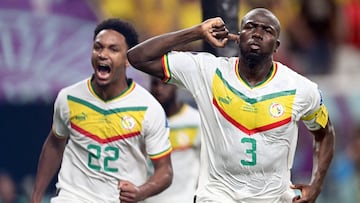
(157, 16)
(312, 35)
(9, 191)
(348, 53)
(345, 181)
(190, 13)
(184, 123)
(353, 184)
(152, 17)
(349, 25)
(27, 184)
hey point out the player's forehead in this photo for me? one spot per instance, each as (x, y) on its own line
(261, 16)
(110, 36)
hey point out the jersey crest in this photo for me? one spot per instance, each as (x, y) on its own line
(251, 115)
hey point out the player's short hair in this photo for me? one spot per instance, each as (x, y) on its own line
(120, 26)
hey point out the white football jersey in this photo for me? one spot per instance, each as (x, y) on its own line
(185, 157)
(108, 140)
(249, 133)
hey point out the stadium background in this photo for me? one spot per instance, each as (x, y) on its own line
(46, 45)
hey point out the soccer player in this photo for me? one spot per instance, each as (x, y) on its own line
(184, 123)
(249, 106)
(104, 127)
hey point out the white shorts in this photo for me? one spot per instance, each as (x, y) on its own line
(64, 196)
(69, 197)
(214, 195)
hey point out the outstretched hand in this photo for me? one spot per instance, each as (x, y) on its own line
(216, 33)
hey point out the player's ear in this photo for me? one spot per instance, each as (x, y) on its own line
(277, 45)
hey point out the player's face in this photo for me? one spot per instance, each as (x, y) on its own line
(109, 57)
(259, 35)
(164, 93)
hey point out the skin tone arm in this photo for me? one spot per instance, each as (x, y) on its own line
(323, 151)
(49, 163)
(162, 178)
(146, 56)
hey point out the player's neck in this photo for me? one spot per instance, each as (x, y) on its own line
(256, 73)
(110, 91)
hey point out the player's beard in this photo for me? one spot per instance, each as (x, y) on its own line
(252, 59)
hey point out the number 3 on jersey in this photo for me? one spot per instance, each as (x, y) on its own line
(95, 155)
(251, 151)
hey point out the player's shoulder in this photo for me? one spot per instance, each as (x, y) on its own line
(305, 88)
(141, 92)
(195, 55)
(143, 97)
(74, 88)
(287, 73)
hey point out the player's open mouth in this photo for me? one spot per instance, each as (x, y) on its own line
(103, 71)
(103, 68)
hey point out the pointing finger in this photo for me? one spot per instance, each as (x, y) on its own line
(234, 37)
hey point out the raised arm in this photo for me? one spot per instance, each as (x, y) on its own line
(323, 151)
(147, 55)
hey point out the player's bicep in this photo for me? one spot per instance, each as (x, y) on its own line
(153, 67)
(163, 162)
(56, 142)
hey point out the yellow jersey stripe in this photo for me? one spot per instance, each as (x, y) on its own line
(252, 115)
(105, 125)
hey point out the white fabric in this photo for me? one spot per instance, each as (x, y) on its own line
(120, 159)
(224, 145)
(185, 161)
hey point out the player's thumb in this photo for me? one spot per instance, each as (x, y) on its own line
(296, 186)
(122, 183)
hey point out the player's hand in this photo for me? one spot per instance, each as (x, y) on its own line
(234, 37)
(308, 194)
(129, 193)
(215, 32)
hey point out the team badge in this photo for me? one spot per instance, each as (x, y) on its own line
(276, 110)
(127, 122)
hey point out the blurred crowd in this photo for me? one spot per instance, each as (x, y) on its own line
(315, 34)
(320, 38)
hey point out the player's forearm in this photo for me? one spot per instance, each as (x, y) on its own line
(43, 178)
(157, 183)
(49, 163)
(156, 47)
(323, 155)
